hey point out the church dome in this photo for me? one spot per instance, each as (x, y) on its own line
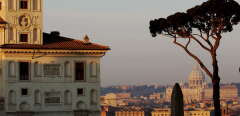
(196, 77)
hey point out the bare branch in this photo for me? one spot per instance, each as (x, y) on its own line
(203, 46)
(194, 57)
(179, 44)
(189, 41)
(205, 39)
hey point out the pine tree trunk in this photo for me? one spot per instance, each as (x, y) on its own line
(216, 88)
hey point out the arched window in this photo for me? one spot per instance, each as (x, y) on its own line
(67, 69)
(67, 97)
(12, 97)
(94, 97)
(37, 97)
(12, 68)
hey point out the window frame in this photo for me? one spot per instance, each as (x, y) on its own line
(83, 72)
(20, 5)
(22, 91)
(29, 71)
(20, 35)
(83, 91)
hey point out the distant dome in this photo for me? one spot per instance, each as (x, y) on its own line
(196, 77)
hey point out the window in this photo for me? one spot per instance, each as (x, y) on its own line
(0, 5)
(24, 91)
(80, 92)
(79, 71)
(23, 4)
(23, 37)
(24, 71)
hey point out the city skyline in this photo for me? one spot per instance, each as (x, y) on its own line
(135, 56)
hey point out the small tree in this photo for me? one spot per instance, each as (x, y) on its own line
(204, 25)
(177, 107)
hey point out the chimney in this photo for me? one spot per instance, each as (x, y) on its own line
(55, 33)
(86, 40)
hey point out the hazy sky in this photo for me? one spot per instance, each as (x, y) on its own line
(136, 58)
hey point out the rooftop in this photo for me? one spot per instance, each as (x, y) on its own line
(55, 41)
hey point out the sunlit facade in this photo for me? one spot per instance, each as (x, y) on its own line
(45, 74)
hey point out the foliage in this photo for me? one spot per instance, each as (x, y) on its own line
(177, 107)
(203, 24)
(211, 18)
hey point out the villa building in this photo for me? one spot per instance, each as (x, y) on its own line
(45, 74)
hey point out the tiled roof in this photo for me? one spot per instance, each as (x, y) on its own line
(2, 21)
(53, 41)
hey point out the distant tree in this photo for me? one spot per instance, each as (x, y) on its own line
(203, 24)
(177, 106)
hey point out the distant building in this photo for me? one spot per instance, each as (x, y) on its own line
(167, 112)
(109, 99)
(45, 74)
(129, 113)
(123, 95)
(115, 99)
(132, 111)
(196, 89)
(157, 96)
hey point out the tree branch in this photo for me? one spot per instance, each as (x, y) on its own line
(205, 39)
(194, 57)
(217, 43)
(203, 46)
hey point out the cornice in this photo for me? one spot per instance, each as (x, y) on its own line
(55, 52)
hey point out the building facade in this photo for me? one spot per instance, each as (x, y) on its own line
(45, 74)
(167, 112)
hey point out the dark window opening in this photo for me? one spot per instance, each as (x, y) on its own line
(80, 92)
(24, 91)
(23, 37)
(23, 4)
(0, 5)
(79, 71)
(24, 70)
